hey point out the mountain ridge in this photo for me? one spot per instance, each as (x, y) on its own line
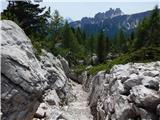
(110, 21)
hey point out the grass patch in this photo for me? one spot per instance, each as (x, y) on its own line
(143, 55)
(78, 69)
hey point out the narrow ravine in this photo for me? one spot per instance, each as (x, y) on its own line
(78, 109)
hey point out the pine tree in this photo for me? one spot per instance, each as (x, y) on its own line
(91, 44)
(148, 31)
(71, 44)
(142, 34)
(56, 25)
(120, 42)
(101, 47)
(69, 39)
(130, 40)
(29, 16)
(56, 21)
(79, 36)
(108, 45)
(154, 27)
(66, 36)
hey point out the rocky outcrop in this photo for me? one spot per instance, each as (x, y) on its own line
(27, 83)
(55, 72)
(22, 78)
(130, 91)
(58, 92)
(49, 109)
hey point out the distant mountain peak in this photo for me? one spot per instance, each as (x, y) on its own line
(68, 19)
(109, 14)
(119, 11)
(111, 21)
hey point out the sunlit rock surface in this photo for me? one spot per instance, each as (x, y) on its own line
(27, 83)
(130, 91)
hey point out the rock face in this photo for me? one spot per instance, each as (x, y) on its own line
(58, 92)
(27, 82)
(130, 91)
(22, 79)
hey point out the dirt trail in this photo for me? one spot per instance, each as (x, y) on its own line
(78, 109)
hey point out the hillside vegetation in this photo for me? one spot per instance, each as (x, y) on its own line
(51, 32)
(143, 55)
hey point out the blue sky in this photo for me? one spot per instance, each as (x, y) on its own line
(76, 9)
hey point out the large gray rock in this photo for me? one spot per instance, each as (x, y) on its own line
(29, 84)
(86, 81)
(58, 93)
(146, 115)
(49, 108)
(151, 73)
(22, 78)
(151, 82)
(97, 87)
(129, 92)
(123, 109)
(134, 80)
(144, 97)
(65, 64)
(54, 71)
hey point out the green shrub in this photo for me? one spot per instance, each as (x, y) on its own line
(78, 69)
(143, 55)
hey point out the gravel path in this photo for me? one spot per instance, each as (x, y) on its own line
(78, 109)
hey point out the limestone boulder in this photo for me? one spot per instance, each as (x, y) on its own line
(128, 92)
(22, 81)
